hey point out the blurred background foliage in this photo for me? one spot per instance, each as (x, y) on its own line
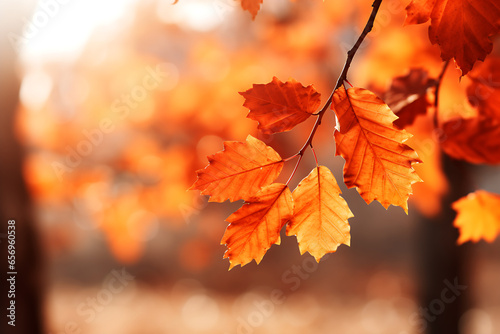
(123, 203)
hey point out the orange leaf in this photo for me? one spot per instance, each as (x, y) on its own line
(478, 216)
(427, 196)
(239, 171)
(462, 28)
(476, 140)
(321, 214)
(279, 106)
(377, 161)
(252, 6)
(407, 96)
(484, 91)
(256, 226)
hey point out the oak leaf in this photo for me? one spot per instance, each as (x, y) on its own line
(239, 171)
(462, 28)
(280, 106)
(407, 96)
(377, 161)
(252, 6)
(478, 216)
(476, 140)
(256, 226)
(320, 214)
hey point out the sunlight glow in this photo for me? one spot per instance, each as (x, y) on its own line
(60, 28)
(196, 15)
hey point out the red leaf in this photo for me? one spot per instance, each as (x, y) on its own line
(279, 106)
(476, 140)
(462, 28)
(407, 96)
(484, 91)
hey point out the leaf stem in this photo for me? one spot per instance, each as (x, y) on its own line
(315, 157)
(343, 77)
(295, 169)
(437, 86)
(290, 158)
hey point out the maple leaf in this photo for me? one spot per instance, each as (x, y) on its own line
(252, 6)
(279, 106)
(476, 140)
(462, 28)
(256, 226)
(377, 161)
(239, 171)
(478, 216)
(320, 214)
(407, 96)
(484, 90)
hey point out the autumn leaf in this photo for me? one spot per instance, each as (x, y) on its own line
(427, 196)
(239, 171)
(484, 90)
(478, 216)
(280, 106)
(476, 140)
(256, 226)
(462, 28)
(377, 161)
(252, 6)
(407, 96)
(320, 215)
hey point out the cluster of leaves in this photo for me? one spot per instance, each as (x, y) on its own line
(368, 135)
(378, 164)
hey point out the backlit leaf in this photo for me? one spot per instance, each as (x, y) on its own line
(462, 28)
(478, 216)
(377, 161)
(320, 215)
(256, 226)
(239, 171)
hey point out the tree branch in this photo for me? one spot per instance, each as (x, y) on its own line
(437, 85)
(343, 76)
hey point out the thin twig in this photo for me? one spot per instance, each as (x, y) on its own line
(315, 157)
(437, 85)
(295, 169)
(343, 76)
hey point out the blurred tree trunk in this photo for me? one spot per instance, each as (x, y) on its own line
(444, 265)
(14, 199)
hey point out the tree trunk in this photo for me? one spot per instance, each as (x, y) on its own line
(444, 273)
(15, 202)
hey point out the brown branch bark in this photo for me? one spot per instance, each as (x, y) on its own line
(342, 77)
